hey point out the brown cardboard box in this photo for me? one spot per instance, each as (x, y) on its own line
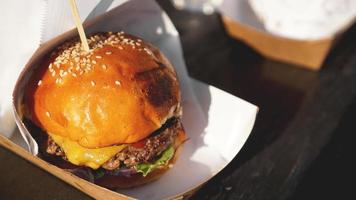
(307, 54)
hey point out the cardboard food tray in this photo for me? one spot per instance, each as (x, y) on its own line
(242, 24)
(217, 123)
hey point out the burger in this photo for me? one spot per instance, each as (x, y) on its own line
(113, 111)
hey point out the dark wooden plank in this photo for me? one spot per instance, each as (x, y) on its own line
(20, 179)
(330, 175)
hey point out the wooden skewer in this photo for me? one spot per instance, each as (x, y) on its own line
(79, 25)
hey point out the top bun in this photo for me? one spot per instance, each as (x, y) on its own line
(119, 92)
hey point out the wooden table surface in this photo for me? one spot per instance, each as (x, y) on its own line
(301, 146)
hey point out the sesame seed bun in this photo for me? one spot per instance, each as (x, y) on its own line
(120, 92)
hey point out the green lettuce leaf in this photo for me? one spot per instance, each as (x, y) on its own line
(98, 173)
(146, 168)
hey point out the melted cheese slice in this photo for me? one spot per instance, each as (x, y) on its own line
(81, 156)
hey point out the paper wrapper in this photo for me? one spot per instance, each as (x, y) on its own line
(241, 23)
(217, 123)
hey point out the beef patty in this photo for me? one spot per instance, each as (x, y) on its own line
(144, 151)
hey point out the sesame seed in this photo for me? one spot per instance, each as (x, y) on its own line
(120, 47)
(104, 66)
(117, 83)
(92, 83)
(108, 53)
(147, 51)
(50, 66)
(139, 40)
(48, 114)
(58, 80)
(74, 74)
(99, 57)
(93, 61)
(39, 83)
